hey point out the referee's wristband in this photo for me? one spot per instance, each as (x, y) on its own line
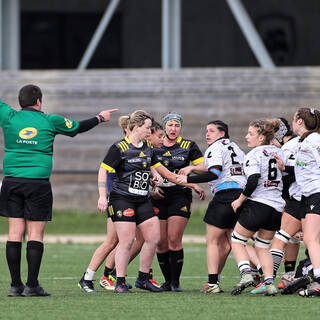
(101, 117)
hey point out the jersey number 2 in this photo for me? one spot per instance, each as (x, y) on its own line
(233, 155)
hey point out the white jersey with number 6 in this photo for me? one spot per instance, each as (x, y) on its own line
(269, 189)
(307, 168)
(230, 157)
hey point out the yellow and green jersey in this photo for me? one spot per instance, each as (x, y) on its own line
(28, 137)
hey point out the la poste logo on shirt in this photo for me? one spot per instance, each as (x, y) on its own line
(28, 133)
(68, 123)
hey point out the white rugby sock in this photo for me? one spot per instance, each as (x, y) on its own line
(89, 275)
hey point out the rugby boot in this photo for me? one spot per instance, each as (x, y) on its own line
(314, 292)
(86, 285)
(300, 283)
(166, 286)
(16, 291)
(147, 285)
(121, 288)
(106, 283)
(175, 287)
(270, 289)
(34, 292)
(245, 282)
(211, 288)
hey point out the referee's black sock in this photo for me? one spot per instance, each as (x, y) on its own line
(164, 263)
(13, 253)
(34, 256)
(176, 261)
(107, 271)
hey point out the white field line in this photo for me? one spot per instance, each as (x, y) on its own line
(80, 238)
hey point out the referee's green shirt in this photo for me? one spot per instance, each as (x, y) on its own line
(28, 139)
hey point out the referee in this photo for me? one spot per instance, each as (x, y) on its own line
(26, 197)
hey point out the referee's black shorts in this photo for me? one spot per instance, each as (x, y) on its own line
(220, 213)
(30, 199)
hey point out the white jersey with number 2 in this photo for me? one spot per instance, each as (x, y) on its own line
(230, 157)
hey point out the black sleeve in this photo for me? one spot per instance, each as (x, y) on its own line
(287, 180)
(86, 125)
(289, 169)
(252, 183)
(205, 177)
(112, 158)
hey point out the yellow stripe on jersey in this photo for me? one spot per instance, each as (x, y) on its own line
(120, 145)
(127, 139)
(123, 146)
(149, 144)
(179, 139)
(107, 168)
(197, 161)
(185, 144)
(156, 165)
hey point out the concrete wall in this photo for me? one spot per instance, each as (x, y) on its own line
(234, 95)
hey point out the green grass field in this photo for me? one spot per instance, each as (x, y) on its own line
(64, 264)
(73, 222)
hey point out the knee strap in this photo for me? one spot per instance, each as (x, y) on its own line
(237, 237)
(262, 243)
(283, 236)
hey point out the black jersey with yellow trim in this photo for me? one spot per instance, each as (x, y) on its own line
(131, 166)
(179, 156)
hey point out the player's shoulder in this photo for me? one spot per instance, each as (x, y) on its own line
(123, 144)
(185, 143)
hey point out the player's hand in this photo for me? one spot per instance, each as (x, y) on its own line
(157, 193)
(107, 114)
(181, 178)
(199, 191)
(280, 163)
(157, 179)
(102, 204)
(236, 204)
(185, 171)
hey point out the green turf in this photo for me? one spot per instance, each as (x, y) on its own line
(63, 266)
(73, 222)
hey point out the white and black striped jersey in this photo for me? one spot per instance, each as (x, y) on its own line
(261, 161)
(307, 168)
(231, 158)
(290, 150)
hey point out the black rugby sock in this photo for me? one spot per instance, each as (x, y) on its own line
(150, 274)
(289, 266)
(13, 253)
(176, 261)
(107, 271)
(34, 256)
(164, 263)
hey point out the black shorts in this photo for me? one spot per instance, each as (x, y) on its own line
(256, 215)
(220, 213)
(30, 199)
(121, 208)
(177, 203)
(295, 208)
(312, 204)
